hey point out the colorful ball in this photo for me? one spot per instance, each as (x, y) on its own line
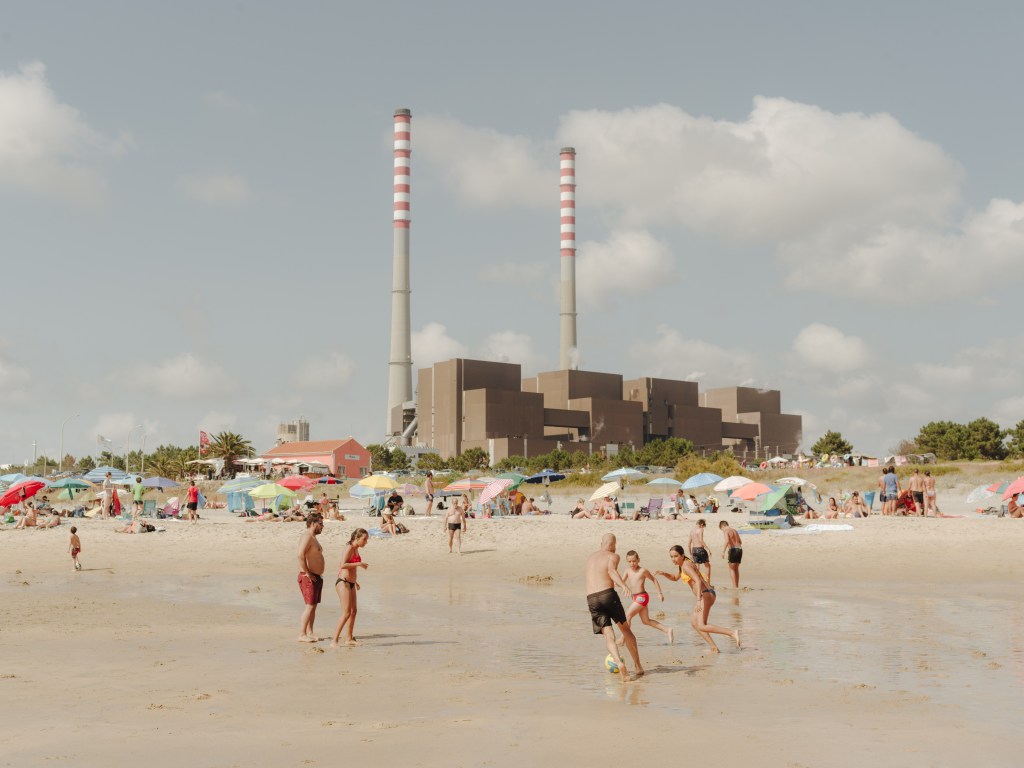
(610, 664)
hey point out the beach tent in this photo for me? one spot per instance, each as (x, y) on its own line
(99, 474)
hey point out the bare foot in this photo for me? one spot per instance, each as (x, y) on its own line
(624, 675)
(736, 637)
(639, 672)
(352, 643)
(306, 639)
(671, 636)
(334, 643)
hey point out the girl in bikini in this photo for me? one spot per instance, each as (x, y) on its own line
(705, 594)
(635, 578)
(347, 586)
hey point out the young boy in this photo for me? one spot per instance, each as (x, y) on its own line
(635, 578)
(733, 551)
(699, 550)
(75, 546)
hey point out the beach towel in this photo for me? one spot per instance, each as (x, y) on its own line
(377, 533)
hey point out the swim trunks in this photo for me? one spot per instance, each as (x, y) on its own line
(605, 609)
(75, 551)
(735, 555)
(430, 497)
(454, 526)
(918, 497)
(641, 598)
(699, 555)
(193, 505)
(311, 587)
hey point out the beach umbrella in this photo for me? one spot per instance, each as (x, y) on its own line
(238, 485)
(732, 483)
(408, 489)
(470, 484)
(74, 483)
(270, 491)
(608, 489)
(297, 482)
(773, 498)
(665, 483)
(362, 492)
(28, 487)
(981, 493)
(625, 473)
(379, 482)
(99, 474)
(12, 478)
(700, 480)
(330, 480)
(1013, 489)
(797, 481)
(515, 477)
(750, 491)
(494, 489)
(546, 476)
(998, 487)
(160, 483)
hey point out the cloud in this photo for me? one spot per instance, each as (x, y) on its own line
(216, 189)
(432, 344)
(45, 145)
(324, 373)
(115, 426)
(511, 347)
(829, 349)
(630, 263)
(671, 355)
(184, 376)
(216, 421)
(487, 168)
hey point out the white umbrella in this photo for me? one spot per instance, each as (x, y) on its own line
(494, 489)
(732, 483)
(605, 490)
(626, 473)
(795, 481)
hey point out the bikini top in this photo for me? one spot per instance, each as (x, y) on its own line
(355, 558)
(684, 577)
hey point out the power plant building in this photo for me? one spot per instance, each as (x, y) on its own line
(464, 404)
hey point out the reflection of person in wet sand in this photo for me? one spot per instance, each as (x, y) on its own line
(705, 594)
(635, 578)
(606, 612)
(311, 575)
(347, 585)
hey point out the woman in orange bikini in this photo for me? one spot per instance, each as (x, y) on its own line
(705, 594)
(347, 585)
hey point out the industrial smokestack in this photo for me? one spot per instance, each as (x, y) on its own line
(567, 353)
(400, 365)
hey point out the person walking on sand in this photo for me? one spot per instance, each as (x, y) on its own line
(74, 547)
(931, 506)
(892, 490)
(192, 502)
(705, 594)
(732, 551)
(606, 612)
(699, 550)
(635, 578)
(347, 586)
(138, 491)
(311, 575)
(455, 522)
(108, 491)
(428, 488)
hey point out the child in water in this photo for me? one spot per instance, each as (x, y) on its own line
(635, 578)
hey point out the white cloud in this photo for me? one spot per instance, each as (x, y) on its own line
(1009, 411)
(216, 189)
(829, 349)
(511, 347)
(115, 426)
(630, 263)
(44, 144)
(324, 372)
(945, 375)
(670, 354)
(432, 344)
(184, 376)
(216, 421)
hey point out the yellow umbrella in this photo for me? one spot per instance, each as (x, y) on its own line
(378, 482)
(608, 489)
(270, 491)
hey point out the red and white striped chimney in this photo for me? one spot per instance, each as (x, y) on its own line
(400, 365)
(567, 356)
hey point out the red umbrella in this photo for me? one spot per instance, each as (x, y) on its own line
(297, 482)
(329, 480)
(750, 491)
(1017, 486)
(22, 489)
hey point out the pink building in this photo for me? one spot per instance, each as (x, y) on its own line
(345, 458)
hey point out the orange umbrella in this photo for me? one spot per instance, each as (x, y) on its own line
(750, 491)
(1017, 486)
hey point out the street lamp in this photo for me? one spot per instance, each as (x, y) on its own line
(142, 470)
(60, 465)
(128, 445)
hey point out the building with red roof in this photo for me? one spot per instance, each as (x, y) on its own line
(344, 458)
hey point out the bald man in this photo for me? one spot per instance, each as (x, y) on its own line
(606, 611)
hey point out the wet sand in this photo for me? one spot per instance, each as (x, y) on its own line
(900, 642)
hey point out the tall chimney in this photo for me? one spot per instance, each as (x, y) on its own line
(567, 355)
(400, 365)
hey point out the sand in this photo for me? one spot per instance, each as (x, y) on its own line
(900, 642)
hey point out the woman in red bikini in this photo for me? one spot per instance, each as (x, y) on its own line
(705, 594)
(347, 586)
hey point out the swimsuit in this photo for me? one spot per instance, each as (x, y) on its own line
(354, 559)
(311, 586)
(454, 526)
(642, 598)
(605, 609)
(75, 551)
(699, 555)
(711, 590)
(735, 555)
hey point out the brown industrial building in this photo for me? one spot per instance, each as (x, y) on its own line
(462, 404)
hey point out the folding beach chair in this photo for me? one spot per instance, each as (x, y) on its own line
(653, 509)
(149, 508)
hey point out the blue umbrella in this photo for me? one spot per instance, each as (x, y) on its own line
(99, 474)
(240, 484)
(666, 481)
(11, 479)
(159, 482)
(547, 476)
(700, 480)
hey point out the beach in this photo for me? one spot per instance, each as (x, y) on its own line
(900, 641)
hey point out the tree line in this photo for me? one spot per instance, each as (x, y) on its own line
(981, 439)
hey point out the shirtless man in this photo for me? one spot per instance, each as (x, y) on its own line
(606, 612)
(916, 487)
(930, 506)
(428, 488)
(699, 550)
(455, 523)
(855, 505)
(733, 551)
(311, 575)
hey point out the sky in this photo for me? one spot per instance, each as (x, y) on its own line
(195, 207)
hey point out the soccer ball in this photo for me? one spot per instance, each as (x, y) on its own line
(610, 665)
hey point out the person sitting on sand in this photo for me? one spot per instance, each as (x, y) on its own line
(28, 517)
(855, 506)
(529, 508)
(831, 512)
(387, 522)
(1013, 509)
(52, 520)
(577, 509)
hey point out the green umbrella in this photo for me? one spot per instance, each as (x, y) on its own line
(515, 477)
(270, 491)
(774, 498)
(69, 486)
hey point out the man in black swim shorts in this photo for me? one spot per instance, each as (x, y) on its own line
(733, 551)
(606, 611)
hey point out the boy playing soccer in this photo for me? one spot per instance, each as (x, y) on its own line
(635, 579)
(75, 547)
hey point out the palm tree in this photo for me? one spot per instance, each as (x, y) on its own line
(229, 446)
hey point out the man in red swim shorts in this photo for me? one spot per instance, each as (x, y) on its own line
(311, 575)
